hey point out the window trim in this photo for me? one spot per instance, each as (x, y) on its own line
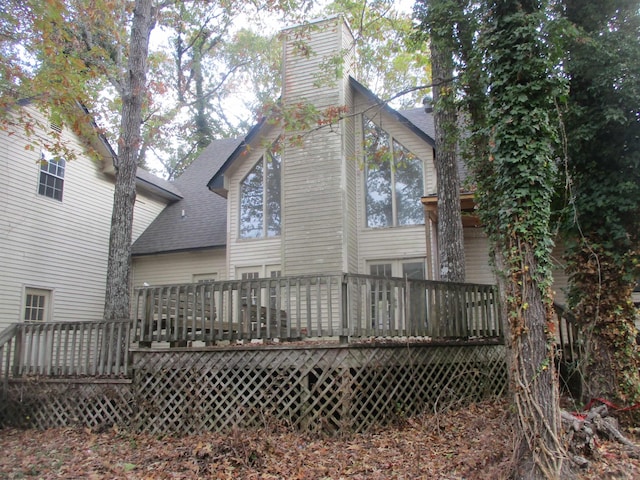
(396, 265)
(265, 159)
(392, 141)
(47, 308)
(47, 161)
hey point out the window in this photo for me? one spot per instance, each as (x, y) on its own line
(383, 305)
(394, 180)
(51, 176)
(36, 305)
(380, 270)
(413, 269)
(260, 198)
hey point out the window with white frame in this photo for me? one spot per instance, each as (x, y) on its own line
(394, 180)
(260, 192)
(36, 304)
(383, 303)
(413, 268)
(51, 180)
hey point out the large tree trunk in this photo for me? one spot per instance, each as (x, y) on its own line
(133, 90)
(515, 190)
(450, 233)
(533, 379)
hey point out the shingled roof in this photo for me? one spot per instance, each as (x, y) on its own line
(199, 220)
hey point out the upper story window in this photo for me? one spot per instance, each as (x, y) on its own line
(51, 180)
(394, 180)
(260, 198)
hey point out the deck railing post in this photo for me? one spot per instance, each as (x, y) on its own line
(344, 310)
(18, 350)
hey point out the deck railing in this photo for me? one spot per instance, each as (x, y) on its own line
(344, 306)
(65, 349)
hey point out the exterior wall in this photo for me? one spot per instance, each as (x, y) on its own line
(179, 267)
(350, 173)
(315, 194)
(402, 242)
(560, 278)
(476, 249)
(53, 245)
(476, 257)
(250, 252)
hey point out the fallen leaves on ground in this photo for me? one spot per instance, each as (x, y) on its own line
(474, 442)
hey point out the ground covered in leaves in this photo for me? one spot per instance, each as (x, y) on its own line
(474, 442)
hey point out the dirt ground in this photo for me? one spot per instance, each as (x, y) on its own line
(474, 442)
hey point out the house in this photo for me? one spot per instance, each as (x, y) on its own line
(331, 202)
(55, 220)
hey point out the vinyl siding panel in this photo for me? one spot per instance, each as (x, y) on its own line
(476, 248)
(350, 172)
(314, 205)
(560, 277)
(476, 257)
(315, 198)
(178, 267)
(305, 68)
(391, 243)
(60, 246)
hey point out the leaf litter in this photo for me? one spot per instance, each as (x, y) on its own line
(474, 442)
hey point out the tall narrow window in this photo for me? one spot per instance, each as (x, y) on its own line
(260, 193)
(36, 304)
(51, 180)
(394, 180)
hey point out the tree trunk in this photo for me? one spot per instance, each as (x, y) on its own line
(133, 90)
(515, 190)
(532, 373)
(450, 233)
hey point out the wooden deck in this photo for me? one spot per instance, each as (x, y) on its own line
(333, 353)
(322, 352)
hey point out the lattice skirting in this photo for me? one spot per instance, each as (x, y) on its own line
(313, 388)
(33, 403)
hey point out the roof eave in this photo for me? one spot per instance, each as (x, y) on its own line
(216, 183)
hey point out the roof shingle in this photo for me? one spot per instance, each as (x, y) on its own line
(197, 221)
